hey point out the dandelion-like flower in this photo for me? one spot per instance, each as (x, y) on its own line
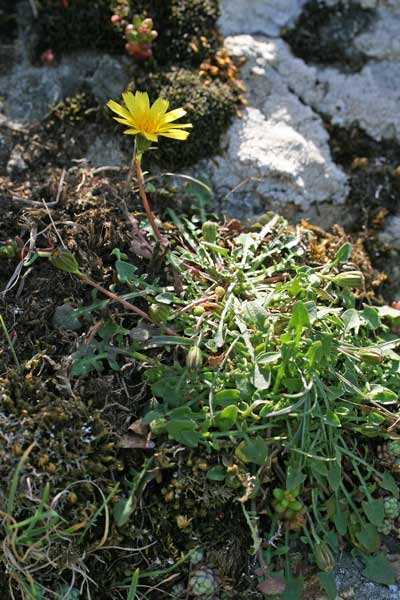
(149, 121)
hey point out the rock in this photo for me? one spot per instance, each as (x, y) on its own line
(255, 16)
(109, 79)
(30, 91)
(106, 151)
(278, 153)
(16, 165)
(352, 584)
(369, 97)
(382, 40)
(4, 151)
(390, 235)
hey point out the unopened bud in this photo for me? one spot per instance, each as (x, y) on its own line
(209, 230)
(372, 356)
(324, 557)
(194, 358)
(64, 260)
(349, 279)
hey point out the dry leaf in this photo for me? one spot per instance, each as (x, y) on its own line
(139, 427)
(131, 440)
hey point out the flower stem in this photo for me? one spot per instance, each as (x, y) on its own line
(121, 301)
(116, 298)
(146, 206)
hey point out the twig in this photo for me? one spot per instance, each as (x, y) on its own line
(34, 8)
(52, 221)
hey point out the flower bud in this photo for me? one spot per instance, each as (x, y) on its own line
(349, 279)
(209, 231)
(159, 312)
(194, 358)
(372, 356)
(115, 19)
(324, 557)
(64, 260)
(219, 292)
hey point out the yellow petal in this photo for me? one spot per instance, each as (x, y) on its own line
(142, 102)
(130, 102)
(176, 135)
(125, 121)
(158, 109)
(131, 131)
(117, 108)
(172, 115)
(152, 137)
(169, 126)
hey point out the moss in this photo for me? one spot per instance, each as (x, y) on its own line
(72, 441)
(187, 28)
(324, 34)
(81, 25)
(210, 105)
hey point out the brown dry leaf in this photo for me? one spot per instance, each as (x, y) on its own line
(271, 586)
(215, 361)
(139, 427)
(131, 440)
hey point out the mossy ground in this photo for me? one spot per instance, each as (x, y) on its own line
(78, 423)
(56, 407)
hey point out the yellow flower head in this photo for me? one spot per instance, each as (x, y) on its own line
(149, 121)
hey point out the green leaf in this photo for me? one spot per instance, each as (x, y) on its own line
(216, 473)
(299, 319)
(332, 419)
(123, 510)
(133, 586)
(166, 298)
(383, 395)
(340, 519)
(368, 536)
(294, 588)
(379, 570)
(351, 320)
(375, 511)
(253, 450)
(388, 483)
(184, 432)
(343, 254)
(294, 478)
(125, 271)
(226, 418)
(255, 313)
(226, 397)
(335, 476)
(371, 317)
(327, 581)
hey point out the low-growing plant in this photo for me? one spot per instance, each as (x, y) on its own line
(284, 376)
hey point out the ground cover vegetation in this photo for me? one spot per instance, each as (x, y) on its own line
(190, 407)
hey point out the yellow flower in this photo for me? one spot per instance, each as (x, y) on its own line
(149, 121)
